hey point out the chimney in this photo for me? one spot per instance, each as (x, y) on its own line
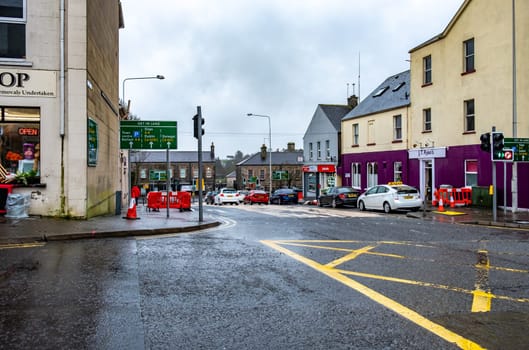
(352, 101)
(212, 151)
(263, 152)
(291, 147)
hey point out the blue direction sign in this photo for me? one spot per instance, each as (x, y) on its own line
(520, 147)
(140, 134)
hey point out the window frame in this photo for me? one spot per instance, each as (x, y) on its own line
(17, 21)
(356, 134)
(469, 56)
(356, 175)
(372, 174)
(327, 149)
(470, 115)
(318, 149)
(427, 70)
(397, 127)
(397, 171)
(311, 151)
(427, 120)
(474, 174)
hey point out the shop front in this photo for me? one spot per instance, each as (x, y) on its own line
(317, 177)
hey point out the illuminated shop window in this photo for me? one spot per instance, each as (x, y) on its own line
(20, 140)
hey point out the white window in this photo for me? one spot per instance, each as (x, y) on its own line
(471, 172)
(356, 130)
(356, 175)
(427, 119)
(311, 151)
(183, 173)
(318, 145)
(397, 127)
(13, 29)
(469, 116)
(427, 70)
(468, 52)
(328, 149)
(372, 174)
(397, 171)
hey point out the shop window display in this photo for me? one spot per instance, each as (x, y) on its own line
(20, 144)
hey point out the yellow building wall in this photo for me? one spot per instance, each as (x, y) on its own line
(383, 138)
(489, 22)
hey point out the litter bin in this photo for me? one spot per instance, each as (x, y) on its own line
(17, 206)
(481, 197)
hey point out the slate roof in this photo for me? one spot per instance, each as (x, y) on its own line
(393, 93)
(335, 113)
(174, 157)
(278, 158)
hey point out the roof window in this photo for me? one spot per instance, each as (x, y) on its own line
(381, 91)
(401, 84)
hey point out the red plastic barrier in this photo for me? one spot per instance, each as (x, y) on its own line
(461, 196)
(154, 200)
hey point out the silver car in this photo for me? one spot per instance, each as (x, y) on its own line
(390, 197)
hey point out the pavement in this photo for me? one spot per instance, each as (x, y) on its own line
(38, 229)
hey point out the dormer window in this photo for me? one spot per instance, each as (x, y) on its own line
(396, 88)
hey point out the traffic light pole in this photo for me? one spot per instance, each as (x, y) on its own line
(199, 137)
(494, 194)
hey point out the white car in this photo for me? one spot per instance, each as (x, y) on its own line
(227, 195)
(242, 194)
(390, 197)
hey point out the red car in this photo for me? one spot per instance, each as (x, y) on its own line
(256, 196)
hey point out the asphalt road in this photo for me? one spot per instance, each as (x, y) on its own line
(273, 277)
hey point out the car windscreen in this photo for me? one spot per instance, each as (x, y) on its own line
(405, 189)
(228, 191)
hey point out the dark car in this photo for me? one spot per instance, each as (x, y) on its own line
(339, 196)
(284, 196)
(256, 196)
(210, 197)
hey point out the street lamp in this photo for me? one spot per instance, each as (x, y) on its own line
(269, 149)
(161, 77)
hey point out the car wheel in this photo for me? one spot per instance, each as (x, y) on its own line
(333, 204)
(361, 206)
(320, 204)
(387, 208)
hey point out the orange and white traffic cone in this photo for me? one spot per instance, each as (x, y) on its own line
(452, 202)
(441, 208)
(131, 212)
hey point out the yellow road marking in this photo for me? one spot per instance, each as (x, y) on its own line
(351, 256)
(21, 245)
(402, 310)
(481, 302)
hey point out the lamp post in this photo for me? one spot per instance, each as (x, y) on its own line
(269, 150)
(161, 77)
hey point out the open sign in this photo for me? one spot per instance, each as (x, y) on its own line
(28, 131)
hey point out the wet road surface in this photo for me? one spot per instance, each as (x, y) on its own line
(273, 278)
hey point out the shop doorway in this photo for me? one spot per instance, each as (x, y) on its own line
(427, 179)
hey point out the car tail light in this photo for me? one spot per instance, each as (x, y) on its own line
(341, 195)
(222, 194)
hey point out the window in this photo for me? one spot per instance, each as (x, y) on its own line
(262, 174)
(318, 145)
(469, 116)
(381, 91)
(355, 134)
(20, 139)
(427, 119)
(327, 149)
(356, 175)
(471, 172)
(427, 70)
(397, 171)
(468, 48)
(183, 173)
(371, 132)
(372, 174)
(12, 28)
(311, 151)
(250, 173)
(397, 127)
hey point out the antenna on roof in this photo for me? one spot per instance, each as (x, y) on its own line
(358, 75)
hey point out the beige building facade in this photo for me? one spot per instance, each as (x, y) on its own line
(59, 100)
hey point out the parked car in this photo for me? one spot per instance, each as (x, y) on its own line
(242, 194)
(227, 195)
(284, 196)
(210, 197)
(339, 196)
(390, 197)
(256, 196)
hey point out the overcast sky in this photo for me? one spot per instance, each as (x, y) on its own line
(273, 57)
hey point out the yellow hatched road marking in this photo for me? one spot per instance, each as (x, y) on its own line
(402, 310)
(351, 256)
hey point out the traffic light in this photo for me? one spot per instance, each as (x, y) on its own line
(196, 127)
(497, 146)
(485, 142)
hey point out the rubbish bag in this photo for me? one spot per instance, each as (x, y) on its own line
(17, 206)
